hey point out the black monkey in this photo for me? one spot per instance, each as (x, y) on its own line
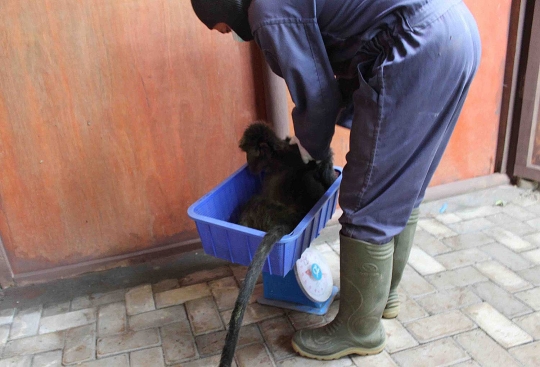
(290, 188)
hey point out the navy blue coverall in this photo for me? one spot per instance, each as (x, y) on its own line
(395, 71)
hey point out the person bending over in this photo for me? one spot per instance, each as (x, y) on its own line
(396, 72)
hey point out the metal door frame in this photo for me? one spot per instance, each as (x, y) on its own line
(530, 104)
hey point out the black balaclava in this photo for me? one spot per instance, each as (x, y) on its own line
(234, 13)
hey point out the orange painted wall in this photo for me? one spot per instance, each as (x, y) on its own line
(114, 119)
(471, 151)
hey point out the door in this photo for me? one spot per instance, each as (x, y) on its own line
(115, 116)
(528, 148)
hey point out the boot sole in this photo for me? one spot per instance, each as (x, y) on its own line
(343, 353)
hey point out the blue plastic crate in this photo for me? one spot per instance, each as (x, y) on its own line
(216, 214)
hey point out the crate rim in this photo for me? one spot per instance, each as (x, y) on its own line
(297, 231)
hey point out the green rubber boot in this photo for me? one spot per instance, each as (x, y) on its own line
(402, 249)
(357, 329)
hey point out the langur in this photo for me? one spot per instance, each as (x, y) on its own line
(290, 188)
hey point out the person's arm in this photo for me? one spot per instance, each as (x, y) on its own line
(295, 51)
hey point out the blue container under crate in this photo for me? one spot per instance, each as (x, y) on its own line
(286, 289)
(216, 214)
(285, 292)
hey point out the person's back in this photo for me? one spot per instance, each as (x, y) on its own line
(343, 24)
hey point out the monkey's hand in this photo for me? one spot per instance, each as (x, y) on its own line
(306, 157)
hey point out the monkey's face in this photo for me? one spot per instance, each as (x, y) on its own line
(256, 161)
(259, 142)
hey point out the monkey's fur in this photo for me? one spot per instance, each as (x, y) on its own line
(290, 188)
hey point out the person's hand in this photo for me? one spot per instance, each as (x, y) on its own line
(306, 157)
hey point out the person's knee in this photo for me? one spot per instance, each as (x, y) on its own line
(377, 225)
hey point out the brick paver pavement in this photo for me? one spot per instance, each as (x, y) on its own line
(470, 297)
